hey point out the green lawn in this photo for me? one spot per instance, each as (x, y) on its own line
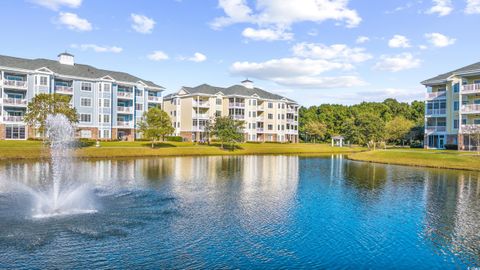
(448, 159)
(35, 149)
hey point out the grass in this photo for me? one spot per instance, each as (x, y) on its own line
(35, 149)
(448, 159)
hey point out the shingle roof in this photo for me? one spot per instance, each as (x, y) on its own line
(77, 70)
(443, 77)
(232, 90)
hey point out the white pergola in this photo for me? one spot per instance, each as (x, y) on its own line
(337, 141)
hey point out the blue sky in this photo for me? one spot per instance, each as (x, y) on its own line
(314, 51)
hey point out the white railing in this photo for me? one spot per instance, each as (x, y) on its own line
(259, 129)
(236, 104)
(124, 123)
(15, 83)
(201, 115)
(239, 117)
(436, 111)
(471, 88)
(12, 118)
(260, 118)
(64, 89)
(201, 104)
(125, 94)
(154, 99)
(198, 128)
(124, 109)
(470, 128)
(470, 108)
(261, 107)
(436, 95)
(430, 129)
(15, 101)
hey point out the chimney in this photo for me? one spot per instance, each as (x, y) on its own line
(66, 59)
(247, 84)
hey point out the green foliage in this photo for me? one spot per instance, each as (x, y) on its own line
(43, 105)
(174, 138)
(363, 122)
(155, 125)
(398, 128)
(316, 130)
(228, 130)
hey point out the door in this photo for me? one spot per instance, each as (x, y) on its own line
(441, 141)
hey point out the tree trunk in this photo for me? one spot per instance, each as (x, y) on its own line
(153, 143)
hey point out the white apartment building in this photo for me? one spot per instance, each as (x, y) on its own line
(109, 103)
(268, 117)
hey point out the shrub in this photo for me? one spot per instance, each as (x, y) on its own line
(451, 146)
(416, 144)
(85, 142)
(174, 138)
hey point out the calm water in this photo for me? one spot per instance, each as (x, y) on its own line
(247, 212)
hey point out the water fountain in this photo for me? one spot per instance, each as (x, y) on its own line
(60, 196)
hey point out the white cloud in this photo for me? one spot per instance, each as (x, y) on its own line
(441, 7)
(397, 63)
(399, 41)
(423, 47)
(362, 39)
(73, 22)
(97, 48)
(281, 14)
(336, 52)
(57, 4)
(266, 34)
(473, 7)
(198, 57)
(439, 40)
(142, 24)
(158, 56)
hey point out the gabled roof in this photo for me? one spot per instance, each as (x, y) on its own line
(239, 90)
(76, 70)
(442, 78)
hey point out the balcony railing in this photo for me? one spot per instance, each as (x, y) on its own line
(259, 129)
(198, 128)
(430, 129)
(236, 104)
(259, 118)
(154, 99)
(12, 118)
(125, 123)
(201, 103)
(125, 94)
(436, 95)
(291, 121)
(470, 108)
(470, 128)
(15, 83)
(200, 115)
(471, 88)
(261, 107)
(63, 89)
(124, 109)
(15, 101)
(239, 117)
(436, 111)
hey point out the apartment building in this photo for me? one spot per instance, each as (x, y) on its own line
(452, 108)
(109, 103)
(268, 117)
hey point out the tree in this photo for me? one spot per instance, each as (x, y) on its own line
(370, 128)
(316, 129)
(228, 130)
(398, 128)
(43, 105)
(155, 124)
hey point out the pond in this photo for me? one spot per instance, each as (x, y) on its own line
(245, 212)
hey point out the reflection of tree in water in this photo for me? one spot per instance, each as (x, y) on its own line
(157, 169)
(365, 176)
(229, 166)
(452, 216)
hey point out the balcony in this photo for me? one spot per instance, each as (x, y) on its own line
(201, 103)
(201, 116)
(471, 128)
(236, 104)
(430, 112)
(127, 95)
(62, 89)
(291, 121)
(154, 99)
(124, 109)
(261, 107)
(198, 128)
(12, 118)
(238, 117)
(15, 101)
(470, 108)
(15, 84)
(471, 88)
(260, 119)
(125, 124)
(436, 95)
(259, 129)
(431, 129)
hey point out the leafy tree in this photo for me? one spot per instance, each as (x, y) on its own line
(228, 130)
(43, 105)
(155, 124)
(370, 127)
(398, 128)
(316, 129)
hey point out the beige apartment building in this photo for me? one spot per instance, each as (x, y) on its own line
(268, 117)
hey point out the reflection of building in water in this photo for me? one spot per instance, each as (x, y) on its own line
(452, 217)
(28, 173)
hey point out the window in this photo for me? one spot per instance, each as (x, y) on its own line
(15, 132)
(254, 102)
(270, 127)
(85, 134)
(106, 103)
(139, 107)
(455, 105)
(456, 88)
(218, 101)
(85, 118)
(139, 93)
(86, 86)
(278, 116)
(270, 116)
(86, 102)
(270, 105)
(278, 105)
(254, 114)
(106, 118)
(476, 121)
(283, 106)
(455, 123)
(283, 116)
(106, 87)
(476, 81)
(106, 134)
(43, 80)
(218, 113)
(464, 121)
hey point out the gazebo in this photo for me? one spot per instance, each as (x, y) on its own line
(337, 141)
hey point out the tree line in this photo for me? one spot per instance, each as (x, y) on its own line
(365, 123)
